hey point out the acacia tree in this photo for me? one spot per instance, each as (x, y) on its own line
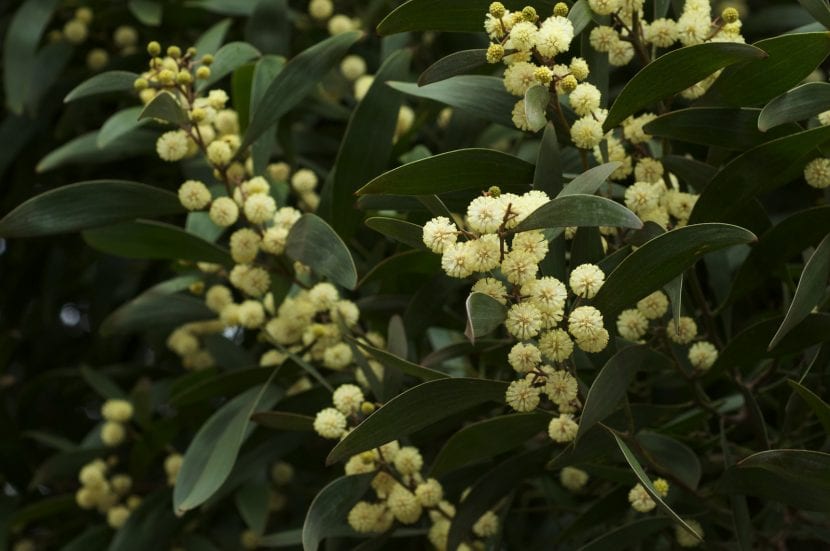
(402, 275)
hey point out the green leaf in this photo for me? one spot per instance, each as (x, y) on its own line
(451, 171)
(103, 385)
(392, 361)
(536, 103)
(20, 48)
(580, 15)
(225, 7)
(484, 315)
(283, 420)
(111, 81)
(478, 95)
(725, 127)
(119, 124)
(810, 290)
(93, 538)
(265, 71)
(790, 59)
(151, 526)
(819, 406)
(819, 9)
(454, 64)
(493, 486)
(547, 176)
(791, 236)
(372, 122)
(757, 171)
(433, 400)
(799, 478)
(746, 348)
(590, 181)
(84, 149)
(87, 205)
(222, 384)
(436, 15)
(399, 230)
(800, 103)
(228, 58)
(297, 79)
(672, 456)
(327, 513)
(408, 262)
(632, 461)
(612, 382)
(694, 173)
(147, 11)
(252, 503)
(155, 240)
(662, 259)
(627, 535)
(165, 107)
(212, 453)
(158, 306)
(315, 244)
(673, 72)
(212, 39)
(475, 442)
(582, 211)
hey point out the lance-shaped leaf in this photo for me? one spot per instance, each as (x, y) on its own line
(167, 108)
(799, 478)
(725, 127)
(590, 181)
(819, 406)
(228, 58)
(790, 59)
(297, 79)
(155, 240)
(757, 171)
(536, 104)
(673, 72)
(611, 384)
(396, 362)
(582, 211)
(452, 171)
(641, 475)
(454, 64)
(437, 15)
(433, 401)
(399, 230)
(119, 124)
(478, 95)
(484, 315)
(810, 290)
(315, 244)
(819, 9)
(111, 81)
(475, 442)
(87, 205)
(327, 513)
(662, 259)
(284, 420)
(800, 103)
(372, 122)
(212, 453)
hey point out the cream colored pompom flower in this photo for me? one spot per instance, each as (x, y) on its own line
(522, 396)
(439, 233)
(586, 280)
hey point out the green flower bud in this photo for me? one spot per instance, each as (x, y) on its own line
(154, 48)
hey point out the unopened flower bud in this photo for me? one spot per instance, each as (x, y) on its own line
(497, 10)
(730, 15)
(495, 53)
(561, 9)
(154, 48)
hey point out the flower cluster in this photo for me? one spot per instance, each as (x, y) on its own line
(78, 30)
(640, 499)
(648, 317)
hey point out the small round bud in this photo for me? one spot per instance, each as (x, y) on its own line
(207, 59)
(730, 15)
(84, 14)
(561, 9)
(154, 48)
(190, 52)
(184, 77)
(497, 10)
(543, 75)
(75, 31)
(568, 84)
(166, 77)
(174, 51)
(203, 72)
(495, 53)
(140, 84)
(494, 191)
(367, 407)
(529, 14)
